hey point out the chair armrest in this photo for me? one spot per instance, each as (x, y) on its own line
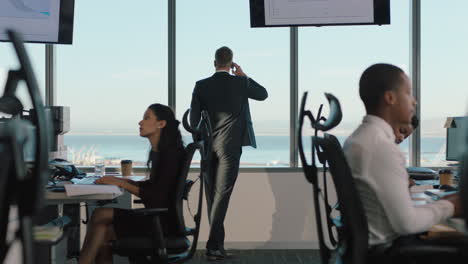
(149, 211)
(428, 248)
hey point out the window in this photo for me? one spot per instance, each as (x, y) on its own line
(203, 27)
(116, 68)
(443, 74)
(9, 61)
(332, 59)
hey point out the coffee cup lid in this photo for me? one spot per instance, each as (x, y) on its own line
(125, 161)
(444, 171)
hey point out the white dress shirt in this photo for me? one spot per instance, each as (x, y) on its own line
(379, 170)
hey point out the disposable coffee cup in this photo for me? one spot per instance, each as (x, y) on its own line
(445, 177)
(126, 166)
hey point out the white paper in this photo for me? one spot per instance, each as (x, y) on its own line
(84, 189)
(420, 188)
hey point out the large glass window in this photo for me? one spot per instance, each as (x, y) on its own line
(332, 59)
(203, 27)
(116, 68)
(9, 61)
(443, 74)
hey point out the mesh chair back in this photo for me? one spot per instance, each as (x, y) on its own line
(352, 229)
(178, 197)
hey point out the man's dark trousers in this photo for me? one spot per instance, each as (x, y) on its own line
(218, 189)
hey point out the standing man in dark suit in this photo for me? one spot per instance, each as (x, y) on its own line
(225, 98)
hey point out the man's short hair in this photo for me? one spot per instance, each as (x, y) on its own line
(375, 81)
(223, 57)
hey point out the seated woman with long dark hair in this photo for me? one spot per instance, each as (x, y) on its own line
(166, 158)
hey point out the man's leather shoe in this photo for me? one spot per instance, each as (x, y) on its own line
(226, 255)
(213, 255)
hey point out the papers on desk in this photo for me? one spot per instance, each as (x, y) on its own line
(420, 188)
(77, 189)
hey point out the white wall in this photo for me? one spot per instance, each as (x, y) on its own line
(268, 210)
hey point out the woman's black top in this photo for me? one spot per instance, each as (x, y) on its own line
(156, 192)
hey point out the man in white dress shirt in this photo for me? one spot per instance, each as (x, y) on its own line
(378, 166)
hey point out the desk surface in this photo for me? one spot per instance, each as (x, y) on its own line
(54, 198)
(457, 223)
(420, 198)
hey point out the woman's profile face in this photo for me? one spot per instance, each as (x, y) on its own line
(150, 125)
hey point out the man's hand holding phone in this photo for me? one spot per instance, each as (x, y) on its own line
(237, 70)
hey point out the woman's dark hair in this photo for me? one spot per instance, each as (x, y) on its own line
(170, 134)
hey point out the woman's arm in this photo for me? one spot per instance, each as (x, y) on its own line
(130, 187)
(129, 181)
(127, 184)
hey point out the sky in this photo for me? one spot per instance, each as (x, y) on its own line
(117, 65)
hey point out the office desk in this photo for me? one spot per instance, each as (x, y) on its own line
(58, 205)
(420, 198)
(57, 198)
(458, 224)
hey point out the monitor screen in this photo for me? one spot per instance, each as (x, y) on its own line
(456, 138)
(277, 13)
(39, 21)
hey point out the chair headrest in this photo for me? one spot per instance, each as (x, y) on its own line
(203, 127)
(322, 123)
(202, 133)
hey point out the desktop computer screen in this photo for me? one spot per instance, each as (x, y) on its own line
(456, 138)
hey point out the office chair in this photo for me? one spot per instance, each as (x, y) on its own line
(346, 222)
(13, 137)
(463, 174)
(173, 248)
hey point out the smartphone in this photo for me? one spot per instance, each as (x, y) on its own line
(437, 194)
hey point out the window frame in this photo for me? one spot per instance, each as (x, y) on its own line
(415, 74)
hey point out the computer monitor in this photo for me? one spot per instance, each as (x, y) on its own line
(39, 21)
(456, 138)
(285, 13)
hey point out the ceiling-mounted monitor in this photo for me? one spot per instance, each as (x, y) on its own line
(285, 13)
(39, 21)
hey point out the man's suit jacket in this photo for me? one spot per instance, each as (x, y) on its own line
(225, 97)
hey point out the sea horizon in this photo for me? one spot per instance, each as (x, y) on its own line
(272, 150)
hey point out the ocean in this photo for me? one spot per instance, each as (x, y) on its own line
(272, 151)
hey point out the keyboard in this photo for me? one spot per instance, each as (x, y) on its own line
(85, 180)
